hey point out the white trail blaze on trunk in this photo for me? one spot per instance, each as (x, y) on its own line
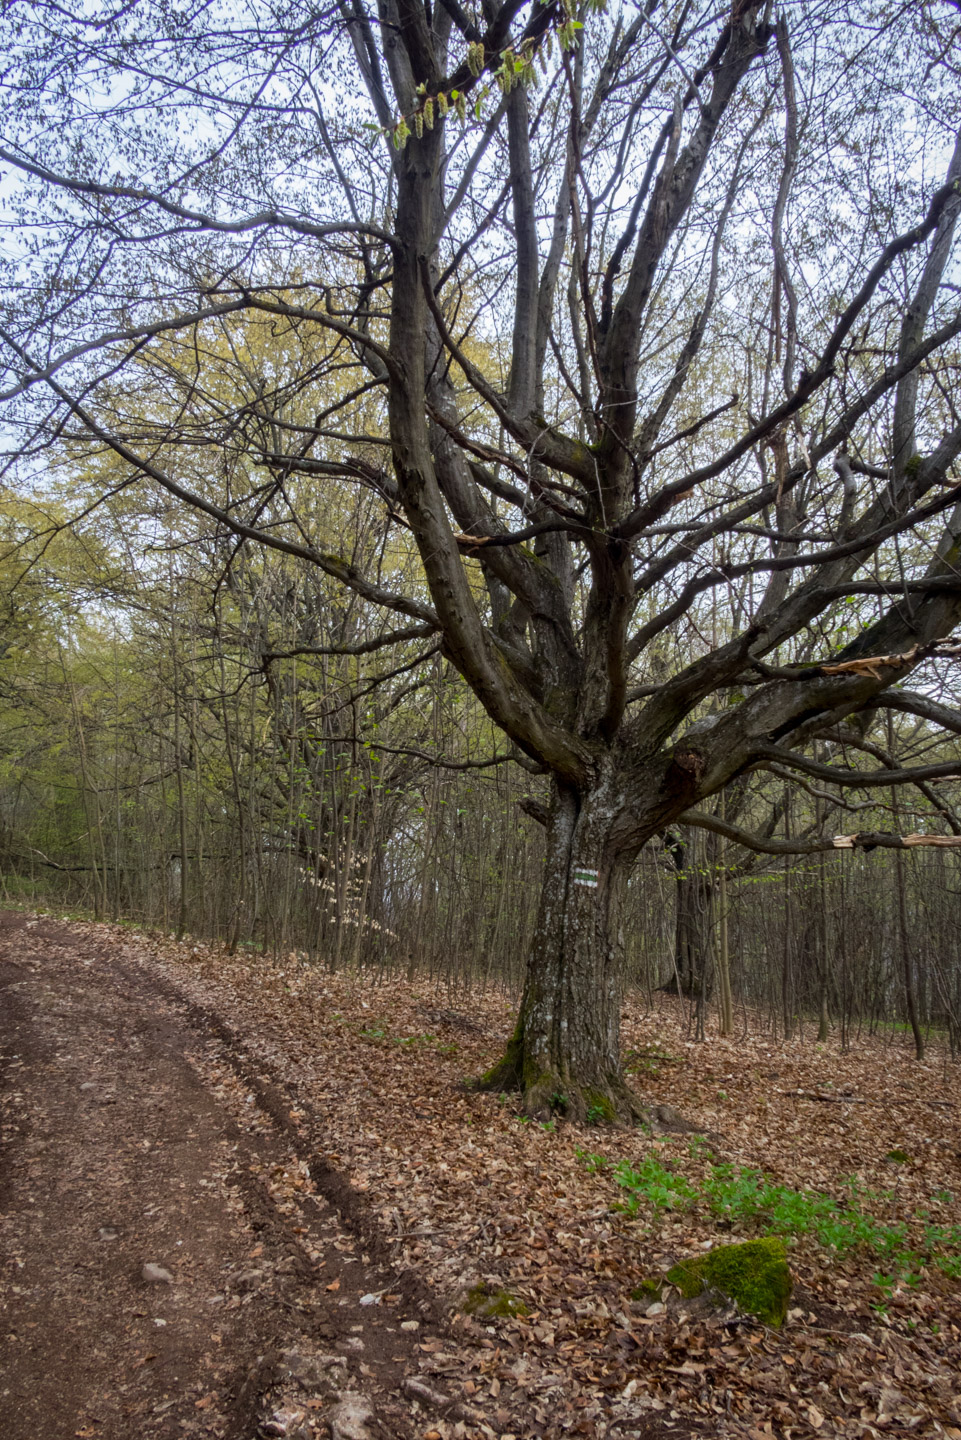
(565, 1052)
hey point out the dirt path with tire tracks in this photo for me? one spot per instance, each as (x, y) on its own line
(174, 1260)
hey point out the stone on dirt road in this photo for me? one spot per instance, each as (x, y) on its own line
(311, 1371)
(289, 1422)
(156, 1275)
(246, 1281)
(349, 1419)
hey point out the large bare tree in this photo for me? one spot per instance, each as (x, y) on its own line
(641, 320)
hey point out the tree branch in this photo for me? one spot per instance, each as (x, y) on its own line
(863, 840)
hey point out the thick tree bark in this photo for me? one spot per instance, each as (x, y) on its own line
(726, 1017)
(564, 1054)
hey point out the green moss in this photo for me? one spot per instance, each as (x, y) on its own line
(599, 1107)
(899, 1157)
(488, 1304)
(754, 1275)
(647, 1290)
(506, 1074)
(543, 565)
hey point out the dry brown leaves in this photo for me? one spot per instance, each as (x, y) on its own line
(469, 1193)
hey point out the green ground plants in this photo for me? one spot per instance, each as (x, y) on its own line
(647, 1060)
(379, 1031)
(744, 1196)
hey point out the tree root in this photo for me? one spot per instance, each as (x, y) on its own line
(550, 1095)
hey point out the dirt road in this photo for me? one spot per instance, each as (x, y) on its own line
(131, 1137)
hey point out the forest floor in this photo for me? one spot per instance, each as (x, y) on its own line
(299, 1155)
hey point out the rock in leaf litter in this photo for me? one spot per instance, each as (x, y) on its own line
(350, 1418)
(156, 1275)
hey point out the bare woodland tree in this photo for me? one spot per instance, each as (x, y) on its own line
(630, 314)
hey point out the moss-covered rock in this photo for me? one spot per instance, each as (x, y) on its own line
(488, 1304)
(755, 1275)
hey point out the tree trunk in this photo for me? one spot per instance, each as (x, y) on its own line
(564, 1055)
(787, 967)
(726, 1017)
(694, 889)
(907, 961)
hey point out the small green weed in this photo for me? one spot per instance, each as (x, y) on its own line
(647, 1060)
(380, 1031)
(653, 1184)
(592, 1162)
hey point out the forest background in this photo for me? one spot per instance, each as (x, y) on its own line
(481, 511)
(227, 739)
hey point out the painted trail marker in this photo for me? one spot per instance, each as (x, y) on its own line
(585, 877)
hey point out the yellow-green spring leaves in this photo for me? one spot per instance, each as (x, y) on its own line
(423, 119)
(516, 70)
(512, 68)
(567, 33)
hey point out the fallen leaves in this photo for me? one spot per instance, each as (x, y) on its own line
(468, 1194)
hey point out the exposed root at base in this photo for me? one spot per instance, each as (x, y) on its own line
(549, 1095)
